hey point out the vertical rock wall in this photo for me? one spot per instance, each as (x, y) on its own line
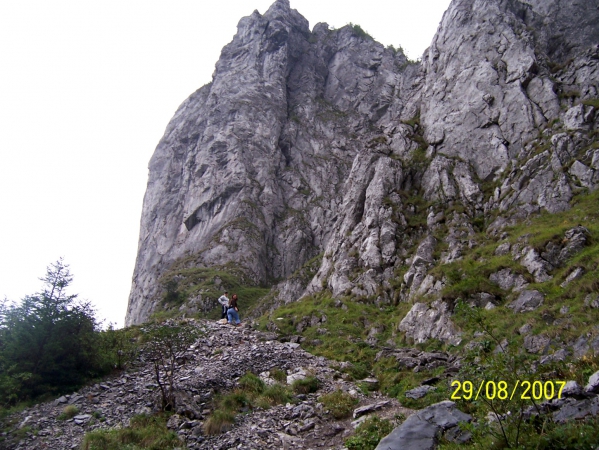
(325, 142)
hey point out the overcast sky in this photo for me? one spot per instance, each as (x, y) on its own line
(86, 91)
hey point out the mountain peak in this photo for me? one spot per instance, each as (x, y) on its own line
(278, 7)
(314, 153)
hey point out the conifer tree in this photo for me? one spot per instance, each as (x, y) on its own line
(48, 340)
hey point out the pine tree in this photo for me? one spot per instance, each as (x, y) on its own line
(48, 340)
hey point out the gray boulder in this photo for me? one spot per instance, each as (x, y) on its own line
(527, 301)
(592, 300)
(424, 322)
(525, 329)
(592, 386)
(536, 266)
(422, 430)
(576, 239)
(575, 274)
(577, 409)
(572, 389)
(579, 117)
(421, 262)
(367, 409)
(584, 174)
(536, 344)
(419, 392)
(507, 280)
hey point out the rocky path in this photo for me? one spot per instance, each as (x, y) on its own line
(214, 363)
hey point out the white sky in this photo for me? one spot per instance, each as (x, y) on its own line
(86, 91)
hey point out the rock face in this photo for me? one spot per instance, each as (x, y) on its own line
(312, 143)
(252, 167)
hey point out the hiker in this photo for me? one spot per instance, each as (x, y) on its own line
(224, 302)
(233, 312)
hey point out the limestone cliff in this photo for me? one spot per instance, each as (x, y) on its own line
(325, 142)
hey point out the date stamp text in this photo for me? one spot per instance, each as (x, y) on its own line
(501, 390)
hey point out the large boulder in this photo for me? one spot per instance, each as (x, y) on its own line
(433, 321)
(421, 431)
(527, 301)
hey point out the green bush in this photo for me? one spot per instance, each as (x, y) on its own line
(369, 433)
(235, 400)
(339, 403)
(219, 421)
(68, 412)
(11, 383)
(117, 347)
(144, 432)
(251, 383)
(163, 345)
(276, 395)
(360, 32)
(278, 375)
(575, 435)
(358, 371)
(306, 385)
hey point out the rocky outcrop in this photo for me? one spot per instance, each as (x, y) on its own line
(486, 87)
(507, 280)
(425, 322)
(422, 431)
(323, 142)
(527, 301)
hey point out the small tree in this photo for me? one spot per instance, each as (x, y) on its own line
(117, 347)
(48, 340)
(165, 344)
(507, 364)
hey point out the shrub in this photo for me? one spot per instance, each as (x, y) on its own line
(218, 422)
(339, 403)
(574, 435)
(305, 385)
(369, 433)
(360, 32)
(68, 412)
(276, 395)
(278, 375)
(251, 383)
(164, 345)
(147, 432)
(358, 371)
(117, 347)
(234, 401)
(173, 296)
